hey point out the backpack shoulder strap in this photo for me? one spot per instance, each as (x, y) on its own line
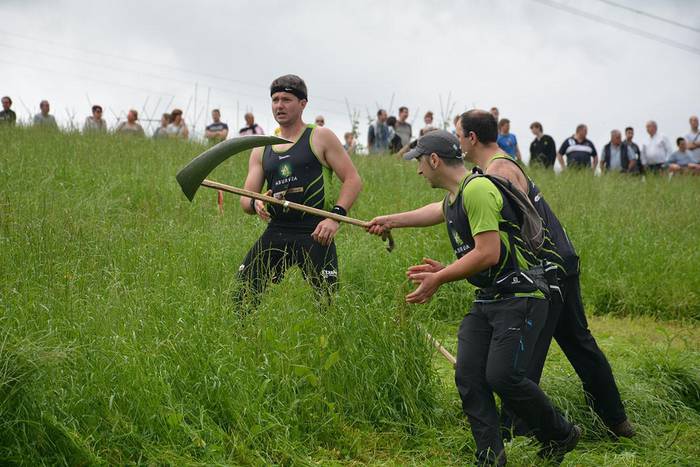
(531, 224)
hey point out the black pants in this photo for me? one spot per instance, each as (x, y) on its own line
(496, 341)
(654, 168)
(567, 323)
(275, 251)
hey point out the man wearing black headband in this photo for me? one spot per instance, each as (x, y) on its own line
(300, 172)
(497, 338)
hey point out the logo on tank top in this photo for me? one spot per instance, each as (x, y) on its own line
(455, 235)
(285, 170)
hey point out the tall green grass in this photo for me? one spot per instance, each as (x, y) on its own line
(120, 343)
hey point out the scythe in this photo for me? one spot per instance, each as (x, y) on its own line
(194, 175)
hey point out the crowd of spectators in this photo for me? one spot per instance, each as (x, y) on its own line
(393, 134)
(172, 124)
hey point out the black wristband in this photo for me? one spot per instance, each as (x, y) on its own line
(252, 205)
(339, 210)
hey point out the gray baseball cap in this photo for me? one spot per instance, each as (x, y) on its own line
(441, 142)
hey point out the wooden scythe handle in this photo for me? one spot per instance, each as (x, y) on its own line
(296, 207)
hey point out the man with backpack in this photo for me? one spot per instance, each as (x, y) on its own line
(566, 320)
(485, 219)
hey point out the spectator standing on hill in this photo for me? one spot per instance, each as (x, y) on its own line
(633, 152)
(403, 128)
(320, 121)
(44, 119)
(656, 150)
(615, 157)
(350, 145)
(7, 115)
(177, 128)
(378, 134)
(162, 131)
(542, 149)
(428, 120)
(507, 140)
(131, 127)
(682, 160)
(252, 128)
(579, 151)
(95, 123)
(216, 131)
(394, 139)
(693, 139)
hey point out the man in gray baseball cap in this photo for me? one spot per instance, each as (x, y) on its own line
(440, 142)
(497, 337)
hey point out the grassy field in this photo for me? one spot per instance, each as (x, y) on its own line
(119, 343)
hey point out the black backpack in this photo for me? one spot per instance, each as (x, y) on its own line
(532, 228)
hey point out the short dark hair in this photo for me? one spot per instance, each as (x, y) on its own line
(679, 139)
(96, 107)
(136, 113)
(216, 110)
(8, 98)
(580, 127)
(537, 125)
(402, 108)
(481, 123)
(379, 112)
(629, 128)
(452, 161)
(291, 81)
(429, 114)
(503, 121)
(391, 121)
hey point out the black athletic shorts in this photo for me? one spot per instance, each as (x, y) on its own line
(275, 251)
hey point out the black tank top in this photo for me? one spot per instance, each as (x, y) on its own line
(296, 175)
(462, 241)
(558, 249)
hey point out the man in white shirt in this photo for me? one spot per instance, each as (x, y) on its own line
(95, 123)
(656, 149)
(693, 139)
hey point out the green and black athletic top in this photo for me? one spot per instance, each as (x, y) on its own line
(297, 175)
(481, 207)
(557, 249)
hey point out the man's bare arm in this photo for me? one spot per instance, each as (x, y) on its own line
(426, 216)
(255, 179)
(335, 157)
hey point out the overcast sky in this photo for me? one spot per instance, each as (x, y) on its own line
(533, 61)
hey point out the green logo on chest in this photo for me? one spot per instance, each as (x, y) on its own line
(285, 170)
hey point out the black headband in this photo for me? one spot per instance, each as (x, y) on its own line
(297, 92)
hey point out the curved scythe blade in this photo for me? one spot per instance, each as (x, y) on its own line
(193, 174)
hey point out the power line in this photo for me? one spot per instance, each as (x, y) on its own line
(111, 83)
(651, 15)
(150, 63)
(620, 26)
(161, 78)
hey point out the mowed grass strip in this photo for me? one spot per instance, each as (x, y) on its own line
(119, 342)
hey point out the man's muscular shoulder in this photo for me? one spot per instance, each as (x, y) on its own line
(509, 171)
